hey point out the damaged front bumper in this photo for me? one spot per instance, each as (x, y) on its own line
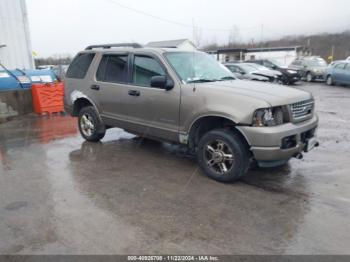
(276, 145)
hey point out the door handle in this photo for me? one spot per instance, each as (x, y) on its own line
(95, 87)
(134, 93)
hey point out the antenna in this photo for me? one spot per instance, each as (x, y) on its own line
(193, 58)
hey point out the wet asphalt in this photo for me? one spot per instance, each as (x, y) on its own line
(61, 195)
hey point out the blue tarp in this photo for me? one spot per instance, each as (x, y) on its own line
(14, 79)
(7, 81)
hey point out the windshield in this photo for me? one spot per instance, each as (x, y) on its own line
(248, 68)
(277, 63)
(198, 67)
(317, 62)
(259, 67)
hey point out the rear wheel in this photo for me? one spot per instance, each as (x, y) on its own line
(90, 125)
(329, 80)
(223, 156)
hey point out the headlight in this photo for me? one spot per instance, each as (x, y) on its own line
(292, 72)
(269, 117)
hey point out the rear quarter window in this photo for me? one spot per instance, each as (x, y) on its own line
(80, 65)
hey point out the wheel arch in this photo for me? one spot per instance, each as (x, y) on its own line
(204, 124)
(79, 104)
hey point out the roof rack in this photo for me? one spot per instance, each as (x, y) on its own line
(134, 45)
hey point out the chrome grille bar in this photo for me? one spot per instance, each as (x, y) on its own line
(302, 109)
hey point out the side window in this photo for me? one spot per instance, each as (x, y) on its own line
(80, 66)
(340, 66)
(144, 69)
(113, 68)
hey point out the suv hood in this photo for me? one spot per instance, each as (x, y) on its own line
(273, 94)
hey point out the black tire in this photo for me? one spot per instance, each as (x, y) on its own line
(284, 80)
(97, 131)
(234, 145)
(329, 80)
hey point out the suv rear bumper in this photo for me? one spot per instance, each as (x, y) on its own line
(267, 143)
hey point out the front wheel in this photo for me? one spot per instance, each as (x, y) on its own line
(223, 156)
(309, 77)
(90, 125)
(329, 80)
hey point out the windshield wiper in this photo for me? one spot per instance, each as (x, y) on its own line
(205, 80)
(227, 78)
(202, 81)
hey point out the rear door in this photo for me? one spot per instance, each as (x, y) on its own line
(111, 88)
(152, 111)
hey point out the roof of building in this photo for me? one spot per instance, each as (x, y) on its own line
(268, 49)
(231, 50)
(261, 49)
(168, 43)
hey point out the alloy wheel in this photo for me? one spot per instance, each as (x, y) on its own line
(87, 125)
(329, 80)
(219, 157)
(309, 77)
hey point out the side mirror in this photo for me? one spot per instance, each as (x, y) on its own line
(162, 82)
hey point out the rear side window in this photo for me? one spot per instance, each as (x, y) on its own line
(113, 68)
(80, 66)
(144, 69)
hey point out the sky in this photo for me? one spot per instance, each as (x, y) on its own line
(60, 27)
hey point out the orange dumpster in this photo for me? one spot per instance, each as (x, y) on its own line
(48, 98)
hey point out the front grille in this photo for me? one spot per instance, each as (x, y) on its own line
(302, 109)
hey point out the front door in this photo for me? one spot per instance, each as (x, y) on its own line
(338, 73)
(152, 111)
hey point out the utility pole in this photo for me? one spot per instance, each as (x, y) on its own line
(262, 35)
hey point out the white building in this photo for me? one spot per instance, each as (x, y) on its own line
(15, 44)
(284, 55)
(183, 44)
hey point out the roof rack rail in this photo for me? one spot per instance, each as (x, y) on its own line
(109, 46)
